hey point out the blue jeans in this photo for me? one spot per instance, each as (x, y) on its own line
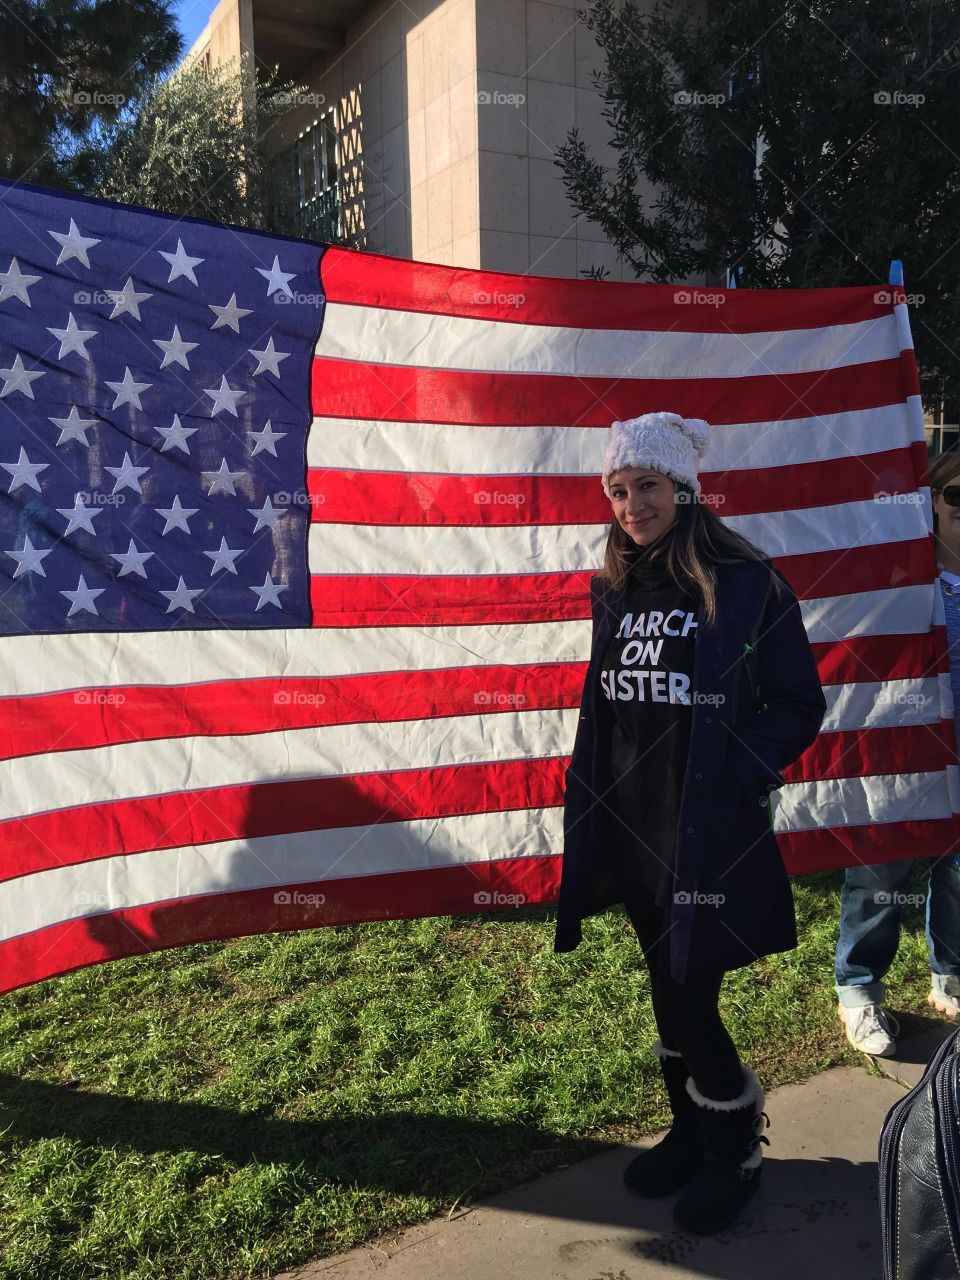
(870, 905)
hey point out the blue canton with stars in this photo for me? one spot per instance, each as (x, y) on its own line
(154, 408)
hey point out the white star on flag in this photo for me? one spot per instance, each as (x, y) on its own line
(23, 471)
(80, 516)
(267, 515)
(175, 437)
(73, 338)
(269, 593)
(221, 481)
(73, 245)
(176, 516)
(14, 284)
(266, 438)
(126, 300)
(128, 391)
(74, 427)
(181, 264)
(28, 560)
(230, 315)
(223, 558)
(182, 598)
(174, 349)
(269, 358)
(127, 475)
(82, 598)
(276, 278)
(17, 378)
(131, 560)
(223, 397)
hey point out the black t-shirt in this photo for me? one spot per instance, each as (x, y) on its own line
(647, 675)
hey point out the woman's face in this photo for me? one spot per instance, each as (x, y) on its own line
(948, 521)
(643, 502)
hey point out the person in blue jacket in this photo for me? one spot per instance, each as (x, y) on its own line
(701, 688)
(873, 896)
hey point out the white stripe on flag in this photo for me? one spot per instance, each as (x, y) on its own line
(443, 448)
(424, 339)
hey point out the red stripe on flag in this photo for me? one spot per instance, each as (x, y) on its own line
(49, 722)
(398, 284)
(426, 498)
(855, 753)
(827, 848)
(84, 833)
(405, 895)
(417, 600)
(407, 393)
(86, 718)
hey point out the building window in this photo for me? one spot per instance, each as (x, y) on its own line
(316, 176)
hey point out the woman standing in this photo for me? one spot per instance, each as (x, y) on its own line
(701, 688)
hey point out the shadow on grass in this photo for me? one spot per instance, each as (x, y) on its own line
(829, 1204)
(346, 1150)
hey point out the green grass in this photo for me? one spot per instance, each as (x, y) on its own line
(229, 1110)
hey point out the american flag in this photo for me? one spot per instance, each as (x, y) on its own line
(295, 550)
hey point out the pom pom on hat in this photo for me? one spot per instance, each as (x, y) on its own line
(662, 441)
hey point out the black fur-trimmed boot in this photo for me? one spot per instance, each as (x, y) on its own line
(732, 1154)
(668, 1165)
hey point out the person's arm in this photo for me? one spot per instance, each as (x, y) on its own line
(790, 688)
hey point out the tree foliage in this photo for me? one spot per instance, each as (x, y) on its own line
(196, 145)
(799, 144)
(67, 68)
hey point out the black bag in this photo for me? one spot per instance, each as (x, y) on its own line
(920, 1174)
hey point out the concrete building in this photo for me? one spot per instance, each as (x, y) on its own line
(429, 127)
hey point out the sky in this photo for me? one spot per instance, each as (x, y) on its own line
(192, 17)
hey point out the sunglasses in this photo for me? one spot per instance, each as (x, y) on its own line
(951, 495)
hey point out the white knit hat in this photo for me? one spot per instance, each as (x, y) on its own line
(663, 442)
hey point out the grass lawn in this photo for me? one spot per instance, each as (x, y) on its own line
(229, 1110)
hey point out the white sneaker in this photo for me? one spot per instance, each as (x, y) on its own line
(948, 1005)
(871, 1029)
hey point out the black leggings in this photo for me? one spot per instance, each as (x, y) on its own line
(686, 1013)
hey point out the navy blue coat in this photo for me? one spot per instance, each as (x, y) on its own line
(725, 844)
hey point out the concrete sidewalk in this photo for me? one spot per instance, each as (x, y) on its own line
(816, 1210)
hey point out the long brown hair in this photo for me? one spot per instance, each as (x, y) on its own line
(699, 540)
